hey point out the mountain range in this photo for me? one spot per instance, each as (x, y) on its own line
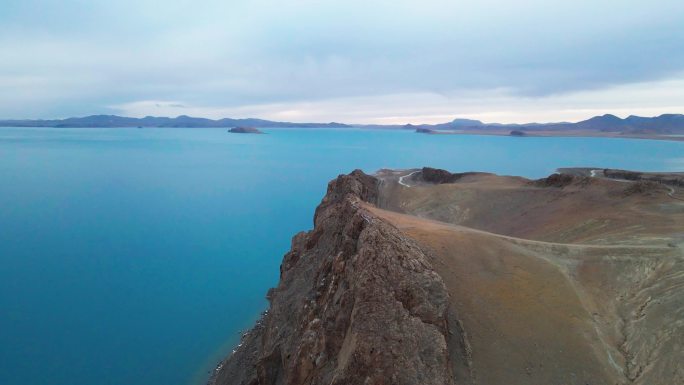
(153, 121)
(663, 124)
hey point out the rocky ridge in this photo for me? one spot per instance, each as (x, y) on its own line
(357, 303)
(423, 276)
(439, 176)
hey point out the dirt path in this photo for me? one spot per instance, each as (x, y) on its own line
(672, 193)
(401, 179)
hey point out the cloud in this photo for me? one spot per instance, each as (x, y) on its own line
(74, 58)
(646, 99)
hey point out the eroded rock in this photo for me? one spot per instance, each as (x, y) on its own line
(357, 303)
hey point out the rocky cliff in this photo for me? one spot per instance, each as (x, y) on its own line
(357, 303)
(430, 277)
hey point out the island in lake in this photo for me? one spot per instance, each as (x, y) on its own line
(425, 276)
(245, 130)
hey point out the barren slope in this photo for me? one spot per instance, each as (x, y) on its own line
(560, 208)
(428, 277)
(605, 306)
(543, 313)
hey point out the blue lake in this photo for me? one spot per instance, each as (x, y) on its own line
(135, 256)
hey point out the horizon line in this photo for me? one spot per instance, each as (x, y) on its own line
(336, 122)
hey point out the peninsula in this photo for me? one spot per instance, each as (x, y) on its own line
(425, 276)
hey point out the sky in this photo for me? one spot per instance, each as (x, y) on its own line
(351, 61)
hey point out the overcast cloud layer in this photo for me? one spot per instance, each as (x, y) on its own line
(351, 61)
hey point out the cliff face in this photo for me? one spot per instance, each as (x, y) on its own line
(358, 303)
(429, 277)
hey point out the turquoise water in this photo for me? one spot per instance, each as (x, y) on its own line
(135, 256)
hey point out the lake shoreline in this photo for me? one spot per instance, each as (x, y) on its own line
(556, 134)
(165, 240)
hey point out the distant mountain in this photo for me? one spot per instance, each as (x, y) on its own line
(663, 124)
(635, 125)
(466, 123)
(152, 121)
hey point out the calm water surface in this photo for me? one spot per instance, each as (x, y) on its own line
(135, 256)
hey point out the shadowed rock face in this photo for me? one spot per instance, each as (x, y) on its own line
(476, 279)
(357, 303)
(439, 176)
(560, 180)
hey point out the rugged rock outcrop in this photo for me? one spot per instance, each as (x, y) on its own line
(439, 176)
(482, 279)
(358, 303)
(561, 180)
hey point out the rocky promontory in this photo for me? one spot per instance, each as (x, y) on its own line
(357, 303)
(439, 176)
(475, 278)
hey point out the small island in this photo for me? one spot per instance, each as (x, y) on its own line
(245, 130)
(421, 130)
(517, 133)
